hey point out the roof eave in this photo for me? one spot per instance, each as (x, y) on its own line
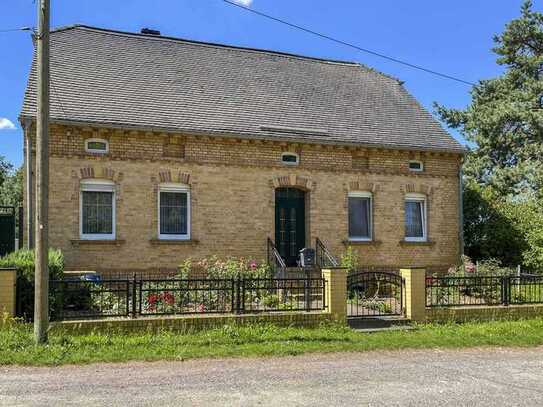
(229, 134)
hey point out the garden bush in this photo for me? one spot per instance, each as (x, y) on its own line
(230, 268)
(349, 259)
(23, 261)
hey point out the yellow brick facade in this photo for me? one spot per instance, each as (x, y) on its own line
(336, 292)
(232, 183)
(7, 292)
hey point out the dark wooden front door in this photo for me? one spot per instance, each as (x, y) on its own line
(289, 223)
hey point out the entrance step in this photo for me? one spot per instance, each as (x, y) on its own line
(298, 272)
(377, 324)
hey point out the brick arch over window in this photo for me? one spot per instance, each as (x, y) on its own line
(99, 172)
(363, 186)
(175, 177)
(417, 188)
(293, 181)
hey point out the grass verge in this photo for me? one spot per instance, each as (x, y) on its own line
(17, 347)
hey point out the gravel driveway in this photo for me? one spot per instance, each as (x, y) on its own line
(482, 377)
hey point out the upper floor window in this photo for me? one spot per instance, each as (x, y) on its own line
(174, 211)
(415, 165)
(290, 158)
(360, 216)
(96, 145)
(415, 218)
(97, 210)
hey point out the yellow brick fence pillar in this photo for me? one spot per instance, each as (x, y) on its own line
(8, 278)
(336, 292)
(415, 293)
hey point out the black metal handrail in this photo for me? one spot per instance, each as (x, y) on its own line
(323, 257)
(275, 261)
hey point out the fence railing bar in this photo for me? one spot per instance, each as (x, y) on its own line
(484, 290)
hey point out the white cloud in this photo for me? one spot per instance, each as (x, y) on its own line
(245, 3)
(6, 124)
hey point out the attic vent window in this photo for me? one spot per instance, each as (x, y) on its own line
(290, 158)
(415, 165)
(95, 145)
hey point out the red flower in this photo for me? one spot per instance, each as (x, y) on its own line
(168, 298)
(253, 264)
(201, 308)
(152, 299)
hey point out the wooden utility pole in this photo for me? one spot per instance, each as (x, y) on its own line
(41, 298)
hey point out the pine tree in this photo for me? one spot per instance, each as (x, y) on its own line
(505, 118)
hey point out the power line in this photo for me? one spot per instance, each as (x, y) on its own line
(53, 90)
(348, 44)
(7, 30)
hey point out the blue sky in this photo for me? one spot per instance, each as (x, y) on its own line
(454, 37)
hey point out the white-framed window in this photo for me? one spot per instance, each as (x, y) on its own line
(97, 210)
(289, 158)
(415, 218)
(97, 146)
(174, 212)
(360, 216)
(416, 165)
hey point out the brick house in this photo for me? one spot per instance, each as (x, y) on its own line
(163, 149)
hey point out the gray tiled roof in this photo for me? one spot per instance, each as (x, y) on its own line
(127, 80)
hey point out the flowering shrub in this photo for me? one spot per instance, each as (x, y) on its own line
(473, 283)
(489, 267)
(231, 268)
(160, 301)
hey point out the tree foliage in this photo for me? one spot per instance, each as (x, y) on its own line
(508, 230)
(503, 196)
(11, 190)
(5, 169)
(505, 117)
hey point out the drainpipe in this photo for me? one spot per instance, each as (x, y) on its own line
(461, 209)
(29, 225)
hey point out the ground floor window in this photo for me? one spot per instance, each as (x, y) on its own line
(174, 211)
(97, 210)
(360, 213)
(415, 218)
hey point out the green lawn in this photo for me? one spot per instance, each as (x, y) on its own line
(16, 346)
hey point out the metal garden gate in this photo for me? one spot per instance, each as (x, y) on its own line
(7, 230)
(372, 293)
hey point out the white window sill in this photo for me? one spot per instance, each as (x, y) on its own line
(112, 242)
(163, 241)
(411, 242)
(368, 242)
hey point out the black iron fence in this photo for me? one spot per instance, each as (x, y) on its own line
(281, 294)
(163, 297)
(484, 290)
(74, 299)
(374, 293)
